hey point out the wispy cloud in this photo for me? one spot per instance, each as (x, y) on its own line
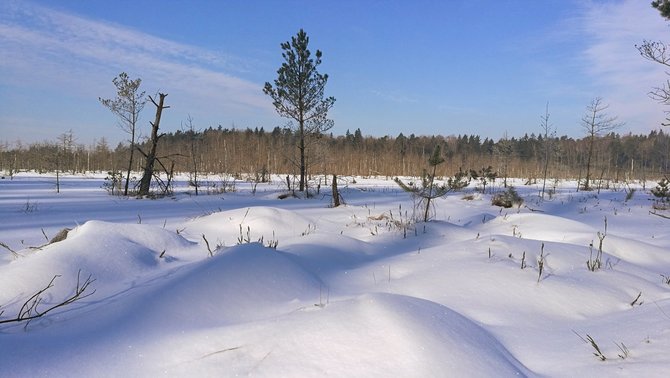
(622, 76)
(44, 47)
(395, 96)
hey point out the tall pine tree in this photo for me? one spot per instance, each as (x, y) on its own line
(298, 94)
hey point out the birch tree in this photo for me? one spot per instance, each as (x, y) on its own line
(595, 122)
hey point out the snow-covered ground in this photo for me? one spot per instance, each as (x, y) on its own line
(350, 291)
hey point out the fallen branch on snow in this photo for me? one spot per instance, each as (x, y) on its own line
(30, 309)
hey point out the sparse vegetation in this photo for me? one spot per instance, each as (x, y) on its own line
(624, 350)
(34, 307)
(598, 353)
(113, 182)
(636, 301)
(594, 264)
(662, 190)
(169, 305)
(13, 252)
(540, 263)
(429, 189)
(29, 206)
(507, 199)
(485, 176)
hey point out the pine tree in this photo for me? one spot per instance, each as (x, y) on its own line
(429, 190)
(298, 94)
(127, 106)
(663, 7)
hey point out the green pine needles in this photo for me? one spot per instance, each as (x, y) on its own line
(429, 189)
(299, 95)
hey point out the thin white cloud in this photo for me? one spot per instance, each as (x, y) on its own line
(43, 47)
(395, 96)
(622, 76)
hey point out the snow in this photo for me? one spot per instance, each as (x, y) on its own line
(192, 286)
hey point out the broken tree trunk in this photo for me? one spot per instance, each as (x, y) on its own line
(336, 193)
(145, 182)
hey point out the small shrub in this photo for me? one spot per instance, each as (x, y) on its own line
(459, 181)
(662, 190)
(486, 176)
(29, 207)
(112, 183)
(595, 264)
(507, 198)
(629, 194)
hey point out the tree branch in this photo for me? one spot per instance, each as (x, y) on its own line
(30, 309)
(660, 215)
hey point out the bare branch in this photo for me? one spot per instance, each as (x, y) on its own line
(30, 309)
(16, 255)
(660, 215)
(655, 51)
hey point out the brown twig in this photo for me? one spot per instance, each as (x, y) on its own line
(660, 215)
(29, 310)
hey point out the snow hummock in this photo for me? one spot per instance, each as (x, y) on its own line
(246, 284)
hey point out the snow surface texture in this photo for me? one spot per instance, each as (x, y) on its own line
(358, 290)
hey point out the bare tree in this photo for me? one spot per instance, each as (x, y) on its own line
(548, 133)
(127, 106)
(56, 155)
(595, 122)
(658, 52)
(298, 94)
(195, 140)
(145, 182)
(504, 150)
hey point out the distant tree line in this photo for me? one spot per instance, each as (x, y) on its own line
(258, 152)
(305, 149)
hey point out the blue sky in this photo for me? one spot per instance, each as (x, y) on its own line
(424, 67)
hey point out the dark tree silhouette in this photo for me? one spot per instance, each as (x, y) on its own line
(127, 106)
(298, 94)
(663, 7)
(429, 190)
(145, 182)
(594, 123)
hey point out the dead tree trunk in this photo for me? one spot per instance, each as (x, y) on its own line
(336, 193)
(145, 183)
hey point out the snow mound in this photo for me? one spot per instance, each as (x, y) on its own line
(541, 227)
(251, 223)
(339, 254)
(239, 284)
(638, 252)
(236, 286)
(371, 335)
(113, 254)
(431, 339)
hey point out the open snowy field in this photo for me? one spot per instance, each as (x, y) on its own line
(181, 286)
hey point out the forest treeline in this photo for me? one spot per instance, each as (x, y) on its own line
(258, 152)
